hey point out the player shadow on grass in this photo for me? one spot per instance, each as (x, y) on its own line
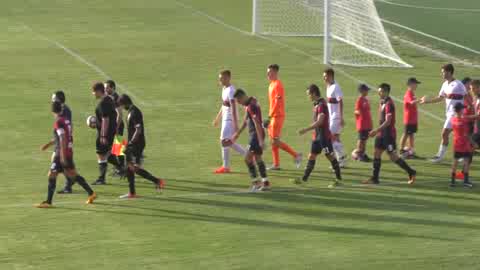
(261, 223)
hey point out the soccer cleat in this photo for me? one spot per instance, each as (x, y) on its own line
(256, 185)
(65, 191)
(99, 182)
(160, 185)
(371, 180)
(453, 184)
(222, 170)
(274, 168)
(128, 196)
(365, 158)
(298, 160)
(335, 184)
(91, 198)
(468, 184)
(459, 175)
(412, 178)
(265, 185)
(44, 204)
(436, 159)
(298, 181)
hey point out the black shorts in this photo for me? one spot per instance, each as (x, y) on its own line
(386, 143)
(321, 145)
(58, 167)
(464, 155)
(411, 129)
(363, 134)
(254, 146)
(104, 149)
(476, 138)
(121, 129)
(134, 154)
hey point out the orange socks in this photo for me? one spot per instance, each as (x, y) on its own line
(285, 147)
(276, 155)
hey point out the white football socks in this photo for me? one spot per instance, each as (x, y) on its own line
(338, 149)
(226, 157)
(237, 147)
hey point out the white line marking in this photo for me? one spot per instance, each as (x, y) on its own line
(431, 36)
(427, 7)
(85, 61)
(285, 45)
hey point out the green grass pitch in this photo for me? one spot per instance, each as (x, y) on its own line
(167, 54)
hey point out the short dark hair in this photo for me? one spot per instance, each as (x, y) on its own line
(448, 68)
(59, 96)
(98, 87)
(329, 72)
(226, 72)
(125, 99)
(458, 107)
(239, 93)
(476, 83)
(313, 90)
(385, 87)
(111, 83)
(466, 80)
(275, 67)
(56, 107)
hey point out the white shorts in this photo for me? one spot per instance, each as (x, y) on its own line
(448, 122)
(227, 130)
(335, 126)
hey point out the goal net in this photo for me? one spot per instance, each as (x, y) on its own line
(352, 31)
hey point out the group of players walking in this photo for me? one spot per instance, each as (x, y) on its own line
(109, 123)
(462, 116)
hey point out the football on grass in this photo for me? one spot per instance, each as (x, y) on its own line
(92, 121)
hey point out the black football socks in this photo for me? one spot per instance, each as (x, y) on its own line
(143, 173)
(52, 185)
(102, 168)
(81, 181)
(308, 169)
(377, 164)
(402, 164)
(131, 181)
(252, 170)
(262, 169)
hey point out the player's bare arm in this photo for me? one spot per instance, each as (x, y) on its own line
(388, 121)
(342, 120)
(136, 135)
(234, 114)
(104, 130)
(314, 125)
(240, 130)
(259, 131)
(217, 118)
(426, 100)
(63, 147)
(47, 145)
(119, 117)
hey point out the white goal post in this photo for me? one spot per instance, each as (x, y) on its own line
(352, 30)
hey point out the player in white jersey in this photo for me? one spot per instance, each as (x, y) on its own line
(335, 109)
(453, 91)
(228, 115)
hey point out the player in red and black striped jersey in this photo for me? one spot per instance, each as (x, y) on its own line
(63, 158)
(462, 144)
(386, 137)
(322, 137)
(253, 119)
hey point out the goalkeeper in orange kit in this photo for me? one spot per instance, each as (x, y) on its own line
(276, 117)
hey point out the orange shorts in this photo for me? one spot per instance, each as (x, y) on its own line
(275, 127)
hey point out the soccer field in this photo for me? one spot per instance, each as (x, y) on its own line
(166, 54)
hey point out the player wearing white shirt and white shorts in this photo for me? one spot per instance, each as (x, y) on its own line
(453, 91)
(228, 115)
(335, 109)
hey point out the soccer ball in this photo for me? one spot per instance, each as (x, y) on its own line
(92, 121)
(355, 155)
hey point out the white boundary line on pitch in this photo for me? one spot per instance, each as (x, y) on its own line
(84, 61)
(285, 45)
(427, 7)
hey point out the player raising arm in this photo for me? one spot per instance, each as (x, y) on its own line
(385, 138)
(256, 142)
(63, 158)
(229, 116)
(321, 136)
(453, 91)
